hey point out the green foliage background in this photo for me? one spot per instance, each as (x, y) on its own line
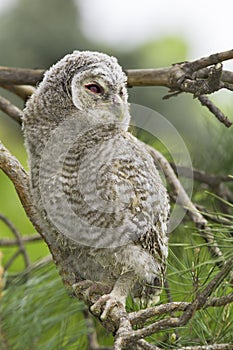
(36, 313)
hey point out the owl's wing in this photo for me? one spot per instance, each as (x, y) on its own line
(113, 188)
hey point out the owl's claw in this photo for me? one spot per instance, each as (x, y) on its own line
(89, 291)
(106, 302)
(81, 286)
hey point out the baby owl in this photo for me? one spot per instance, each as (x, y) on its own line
(97, 193)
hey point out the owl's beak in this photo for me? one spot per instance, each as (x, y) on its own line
(116, 99)
(118, 106)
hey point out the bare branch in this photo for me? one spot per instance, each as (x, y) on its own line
(19, 177)
(19, 241)
(214, 110)
(173, 322)
(25, 239)
(8, 108)
(11, 260)
(144, 345)
(142, 316)
(210, 60)
(200, 175)
(184, 200)
(136, 77)
(20, 76)
(214, 217)
(208, 347)
(199, 77)
(22, 91)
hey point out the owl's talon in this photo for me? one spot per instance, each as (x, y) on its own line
(80, 287)
(110, 304)
(107, 303)
(90, 291)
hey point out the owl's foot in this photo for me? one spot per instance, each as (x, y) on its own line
(80, 287)
(106, 303)
(90, 291)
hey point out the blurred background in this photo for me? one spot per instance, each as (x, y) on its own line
(141, 34)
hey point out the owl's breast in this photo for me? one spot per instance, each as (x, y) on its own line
(109, 189)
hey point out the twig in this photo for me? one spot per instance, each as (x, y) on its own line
(23, 91)
(11, 260)
(173, 322)
(146, 346)
(214, 217)
(25, 239)
(186, 203)
(142, 316)
(200, 175)
(19, 240)
(208, 347)
(11, 110)
(170, 300)
(210, 60)
(214, 110)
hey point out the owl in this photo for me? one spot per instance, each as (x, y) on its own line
(100, 200)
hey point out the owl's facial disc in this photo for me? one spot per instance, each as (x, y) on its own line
(103, 94)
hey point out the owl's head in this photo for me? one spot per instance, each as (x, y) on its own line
(86, 81)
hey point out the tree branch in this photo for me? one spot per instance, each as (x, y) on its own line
(184, 200)
(142, 316)
(25, 239)
(19, 177)
(208, 347)
(19, 240)
(200, 77)
(174, 322)
(136, 77)
(22, 91)
(10, 109)
(215, 110)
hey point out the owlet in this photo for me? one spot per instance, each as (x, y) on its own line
(97, 193)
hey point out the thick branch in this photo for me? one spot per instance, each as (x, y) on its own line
(136, 77)
(200, 77)
(19, 177)
(20, 76)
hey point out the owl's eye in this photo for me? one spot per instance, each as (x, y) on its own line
(94, 88)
